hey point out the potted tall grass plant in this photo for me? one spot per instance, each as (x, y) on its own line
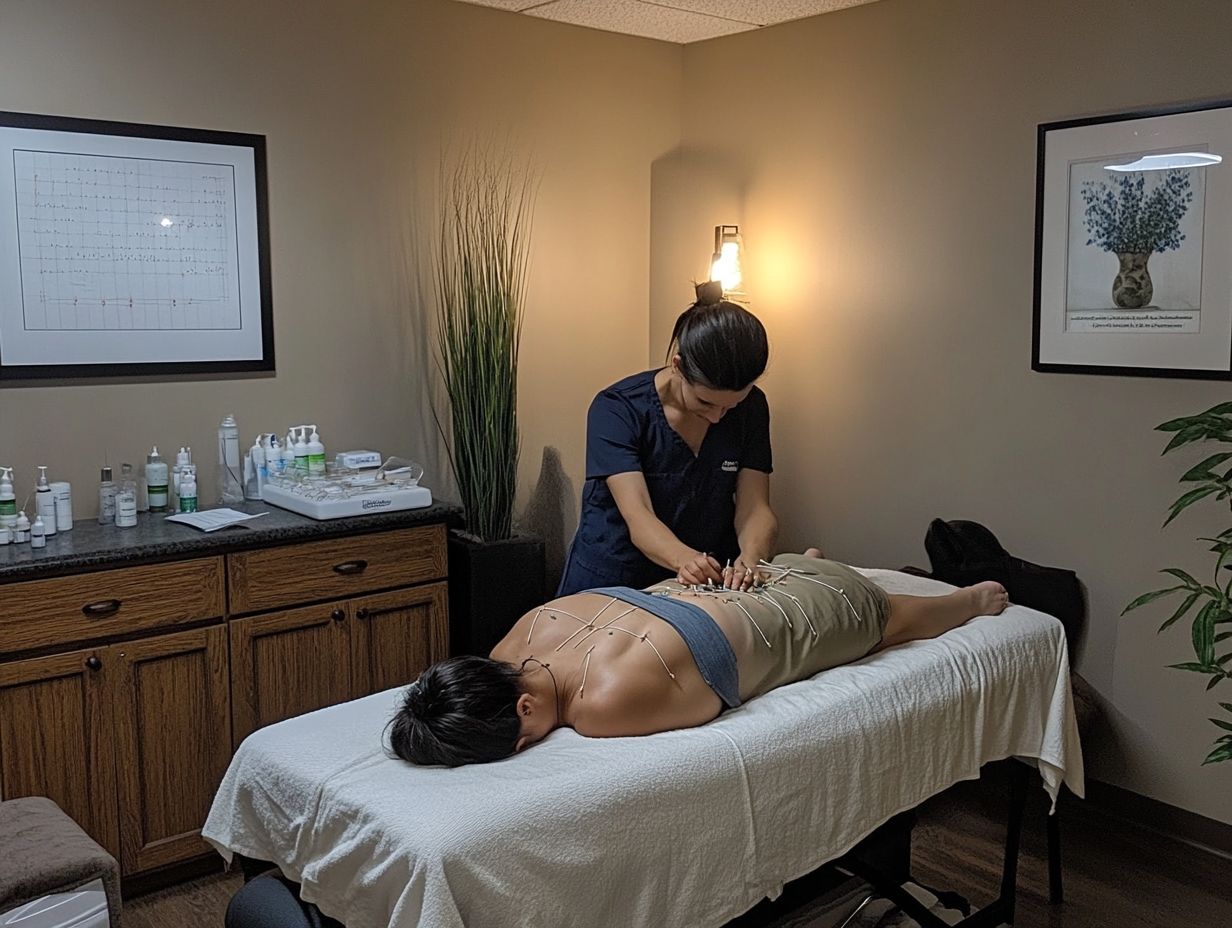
(481, 264)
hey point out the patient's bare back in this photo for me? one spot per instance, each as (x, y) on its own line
(619, 669)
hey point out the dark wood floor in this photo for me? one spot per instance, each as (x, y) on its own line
(1116, 876)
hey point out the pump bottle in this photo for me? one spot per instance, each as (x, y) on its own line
(45, 502)
(316, 454)
(301, 451)
(8, 501)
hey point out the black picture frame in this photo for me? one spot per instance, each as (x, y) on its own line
(116, 147)
(1063, 150)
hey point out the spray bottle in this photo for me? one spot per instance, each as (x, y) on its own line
(156, 480)
(255, 474)
(230, 489)
(38, 532)
(188, 488)
(182, 458)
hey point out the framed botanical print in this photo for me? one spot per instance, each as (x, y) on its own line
(1133, 244)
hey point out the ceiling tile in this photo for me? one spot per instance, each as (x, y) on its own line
(762, 12)
(516, 5)
(633, 17)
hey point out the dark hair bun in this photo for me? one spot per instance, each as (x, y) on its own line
(709, 292)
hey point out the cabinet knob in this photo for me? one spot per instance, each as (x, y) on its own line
(94, 663)
(361, 613)
(338, 615)
(351, 567)
(101, 608)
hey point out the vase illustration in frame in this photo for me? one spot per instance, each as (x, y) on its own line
(1133, 212)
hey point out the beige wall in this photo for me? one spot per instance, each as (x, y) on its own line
(881, 163)
(357, 101)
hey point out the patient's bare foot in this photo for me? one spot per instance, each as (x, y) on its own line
(814, 552)
(988, 598)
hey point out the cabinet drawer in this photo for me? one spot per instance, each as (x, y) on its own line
(40, 613)
(316, 570)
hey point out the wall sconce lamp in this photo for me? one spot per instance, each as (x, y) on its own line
(725, 265)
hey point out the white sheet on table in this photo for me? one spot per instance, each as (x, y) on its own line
(681, 828)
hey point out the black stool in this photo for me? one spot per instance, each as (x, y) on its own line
(272, 901)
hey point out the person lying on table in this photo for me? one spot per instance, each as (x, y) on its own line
(678, 461)
(617, 661)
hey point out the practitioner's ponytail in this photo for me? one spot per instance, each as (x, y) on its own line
(721, 344)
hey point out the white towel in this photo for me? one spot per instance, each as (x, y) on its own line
(682, 828)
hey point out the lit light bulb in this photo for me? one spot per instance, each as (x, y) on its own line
(726, 267)
(166, 222)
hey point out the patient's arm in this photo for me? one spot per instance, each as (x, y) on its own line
(647, 531)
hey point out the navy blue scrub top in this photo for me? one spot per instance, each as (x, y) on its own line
(627, 430)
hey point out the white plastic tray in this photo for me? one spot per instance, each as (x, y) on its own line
(366, 504)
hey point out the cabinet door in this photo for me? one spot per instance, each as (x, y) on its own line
(396, 635)
(56, 738)
(171, 698)
(287, 663)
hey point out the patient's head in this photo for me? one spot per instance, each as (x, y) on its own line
(460, 711)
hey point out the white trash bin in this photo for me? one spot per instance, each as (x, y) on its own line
(83, 908)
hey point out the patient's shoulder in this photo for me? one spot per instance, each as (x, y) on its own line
(638, 705)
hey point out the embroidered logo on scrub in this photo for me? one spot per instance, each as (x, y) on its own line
(731, 466)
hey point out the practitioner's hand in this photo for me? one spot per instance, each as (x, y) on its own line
(741, 575)
(700, 568)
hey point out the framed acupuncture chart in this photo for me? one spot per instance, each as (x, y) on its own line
(129, 249)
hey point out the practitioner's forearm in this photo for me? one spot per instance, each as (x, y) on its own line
(649, 534)
(658, 542)
(757, 528)
(757, 535)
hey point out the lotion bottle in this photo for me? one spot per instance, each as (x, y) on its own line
(8, 501)
(301, 451)
(316, 454)
(45, 502)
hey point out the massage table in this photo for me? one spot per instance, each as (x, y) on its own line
(682, 828)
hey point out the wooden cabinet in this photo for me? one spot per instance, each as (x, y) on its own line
(394, 636)
(296, 660)
(56, 738)
(131, 737)
(288, 663)
(170, 696)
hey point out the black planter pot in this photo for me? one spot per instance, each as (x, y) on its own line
(491, 584)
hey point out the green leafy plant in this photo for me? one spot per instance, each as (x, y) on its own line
(1213, 601)
(481, 264)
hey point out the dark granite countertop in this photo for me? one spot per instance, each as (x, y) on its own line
(90, 546)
